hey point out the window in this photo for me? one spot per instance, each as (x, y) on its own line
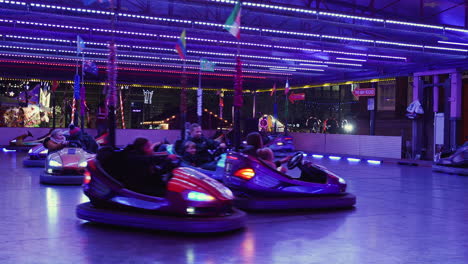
(386, 96)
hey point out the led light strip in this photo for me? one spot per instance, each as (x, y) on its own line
(229, 42)
(132, 69)
(208, 40)
(198, 52)
(291, 9)
(452, 43)
(341, 15)
(150, 64)
(350, 59)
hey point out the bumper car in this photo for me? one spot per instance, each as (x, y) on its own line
(36, 156)
(19, 142)
(66, 166)
(281, 145)
(257, 186)
(457, 163)
(192, 202)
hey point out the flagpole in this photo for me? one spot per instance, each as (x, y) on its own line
(183, 103)
(254, 108)
(237, 115)
(286, 110)
(82, 92)
(275, 110)
(199, 96)
(112, 78)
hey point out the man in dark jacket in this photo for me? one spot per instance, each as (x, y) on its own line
(203, 146)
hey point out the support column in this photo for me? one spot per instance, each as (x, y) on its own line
(455, 106)
(435, 93)
(417, 129)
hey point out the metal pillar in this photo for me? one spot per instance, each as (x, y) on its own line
(455, 107)
(417, 128)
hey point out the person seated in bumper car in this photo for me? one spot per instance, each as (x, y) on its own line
(82, 139)
(145, 171)
(189, 156)
(266, 154)
(56, 141)
(254, 142)
(311, 172)
(203, 146)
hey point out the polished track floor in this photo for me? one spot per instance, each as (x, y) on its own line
(403, 215)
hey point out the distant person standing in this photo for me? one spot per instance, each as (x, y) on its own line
(101, 119)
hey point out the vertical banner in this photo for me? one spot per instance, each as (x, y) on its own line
(221, 104)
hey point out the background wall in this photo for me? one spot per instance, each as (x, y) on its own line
(373, 146)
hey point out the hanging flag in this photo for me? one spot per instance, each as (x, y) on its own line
(181, 46)
(273, 91)
(233, 22)
(32, 96)
(206, 65)
(55, 85)
(90, 67)
(286, 89)
(80, 44)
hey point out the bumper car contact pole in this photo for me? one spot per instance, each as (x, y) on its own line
(112, 80)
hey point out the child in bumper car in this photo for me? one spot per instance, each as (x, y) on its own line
(266, 154)
(56, 141)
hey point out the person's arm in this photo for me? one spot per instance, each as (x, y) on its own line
(51, 145)
(212, 144)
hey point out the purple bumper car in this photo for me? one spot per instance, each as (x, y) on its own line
(258, 186)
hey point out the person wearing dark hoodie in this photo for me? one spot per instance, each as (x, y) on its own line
(145, 169)
(85, 141)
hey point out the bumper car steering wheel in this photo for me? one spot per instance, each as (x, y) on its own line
(75, 144)
(295, 160)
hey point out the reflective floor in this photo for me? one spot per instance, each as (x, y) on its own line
(403, 215)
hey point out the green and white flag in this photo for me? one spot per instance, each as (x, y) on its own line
(206, 65)
(233, 22)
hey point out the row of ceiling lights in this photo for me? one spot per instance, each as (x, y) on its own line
(320, 63)
(247, 4)
(222, 25)
(228, 42)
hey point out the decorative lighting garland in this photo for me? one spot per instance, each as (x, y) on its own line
(173, 117)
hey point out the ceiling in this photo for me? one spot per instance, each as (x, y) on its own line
(307, 42)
